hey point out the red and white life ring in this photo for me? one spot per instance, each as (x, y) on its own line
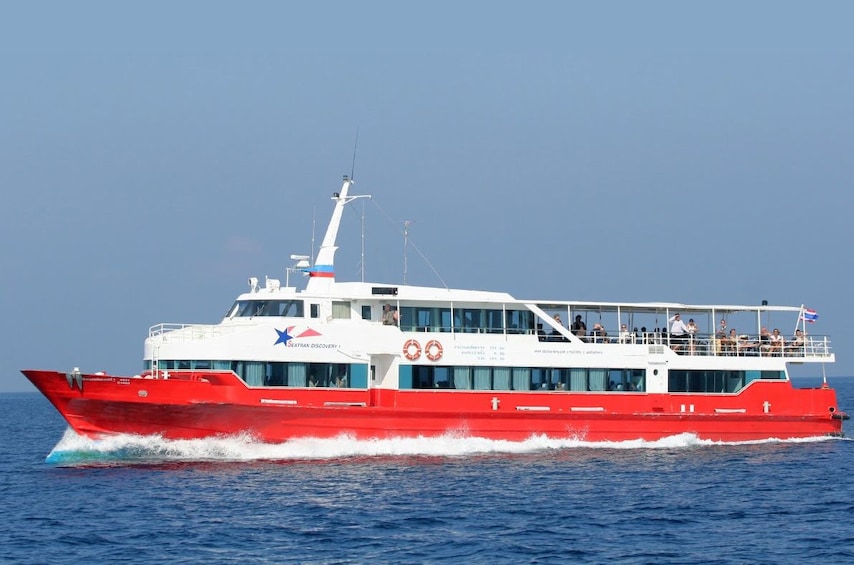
(433, 350)
(412, 350)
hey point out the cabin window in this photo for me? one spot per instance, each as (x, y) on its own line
(366, 312)
(406, 318)
(519, 321)
(495, 321)
(315, 310)
(424, 319)
(341, 310)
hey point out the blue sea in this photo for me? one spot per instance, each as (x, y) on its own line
(66, 499)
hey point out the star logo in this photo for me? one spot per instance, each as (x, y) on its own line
(294, 332)
(284, 337)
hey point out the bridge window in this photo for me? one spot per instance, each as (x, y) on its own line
(251, 308)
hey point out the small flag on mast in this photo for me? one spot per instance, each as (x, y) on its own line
(809, 315)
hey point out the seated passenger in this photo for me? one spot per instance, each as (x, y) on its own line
(796, 346)
(745, 346)
(599, 334)
(556, 335)
(728, 343)
(777, 342)
(764, 341)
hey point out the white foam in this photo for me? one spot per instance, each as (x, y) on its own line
(126, 448)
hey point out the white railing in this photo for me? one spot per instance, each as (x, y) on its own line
(179, 333)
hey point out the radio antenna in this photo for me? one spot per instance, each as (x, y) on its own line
(406, 224)
(353, 166)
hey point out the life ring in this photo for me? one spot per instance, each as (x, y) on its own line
(412, 350)
(433, 350)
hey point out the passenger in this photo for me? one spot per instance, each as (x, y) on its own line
(541, 333)
(745, 346)
(579, 328)
(556, 335)
(764, 342)
(644, 335)
(390, 317)
(560, 386)
(722, 333)
(599, 334)
(777, 342)
(796, 346)
(678, 332)
(729, 343)
(692, 336)
(625, 336)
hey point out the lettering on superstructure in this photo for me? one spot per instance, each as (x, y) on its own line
(570, 351)
(314, 345)
(482, 352)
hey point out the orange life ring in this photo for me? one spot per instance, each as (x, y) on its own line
(433, 350)
(412, 350)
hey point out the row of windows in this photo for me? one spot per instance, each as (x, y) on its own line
(259, 373)
(355, 375)
(250, 308)
(465, 320)
(411, 318)
(716, 381)
(520, 378)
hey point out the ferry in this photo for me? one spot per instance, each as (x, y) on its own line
(373, 360)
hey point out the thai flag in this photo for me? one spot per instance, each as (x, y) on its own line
(809, 315)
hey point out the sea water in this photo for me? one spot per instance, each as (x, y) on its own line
(69, 499)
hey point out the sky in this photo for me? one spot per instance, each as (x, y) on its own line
(154, 155)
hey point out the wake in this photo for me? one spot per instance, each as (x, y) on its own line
(128, 449)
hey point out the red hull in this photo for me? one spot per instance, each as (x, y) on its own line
(195, 405)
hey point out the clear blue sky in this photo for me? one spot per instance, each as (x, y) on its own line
(154, 155)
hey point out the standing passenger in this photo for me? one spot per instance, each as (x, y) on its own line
(389, 316)
(579, 328)
(678, 331)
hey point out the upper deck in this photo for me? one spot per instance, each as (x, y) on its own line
(714, 330)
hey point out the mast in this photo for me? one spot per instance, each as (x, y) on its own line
(322, 274)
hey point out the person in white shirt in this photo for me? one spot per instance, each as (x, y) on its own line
(678, 331)
(692, 334)
(777, 342)
(625, 335)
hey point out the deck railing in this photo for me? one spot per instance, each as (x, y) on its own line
(179, 333)
(746, 345)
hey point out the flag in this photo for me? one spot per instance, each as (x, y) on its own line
(809, 315)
